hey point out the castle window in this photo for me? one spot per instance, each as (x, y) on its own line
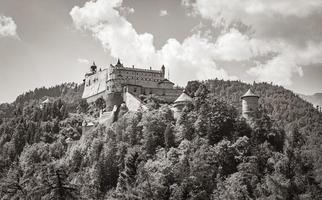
(134, 90)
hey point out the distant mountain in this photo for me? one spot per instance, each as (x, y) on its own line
(315, 99)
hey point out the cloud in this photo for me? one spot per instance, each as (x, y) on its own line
(288, 62)
(125, 11)
(279, 70)
(191, 59)
(83, 61)
(234, 9)
(275, 59)
(163, 13)
(285, 35)
(8, 27)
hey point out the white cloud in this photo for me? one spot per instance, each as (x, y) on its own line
(163, 13)
(241, 9)
(279, 70)
(124, 11)
(191, 59)
(7, 27)
(284, 32)
(83, 61)
(195, 57)
(289, 61)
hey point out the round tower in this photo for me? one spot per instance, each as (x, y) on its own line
(249, 105)
(183, 100)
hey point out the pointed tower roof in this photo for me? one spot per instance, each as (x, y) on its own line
(119, 64)
(184, 97)
(249, 93)
(93, 67)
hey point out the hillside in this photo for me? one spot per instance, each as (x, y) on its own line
(315, 99)
(210, 152)
(68, 92)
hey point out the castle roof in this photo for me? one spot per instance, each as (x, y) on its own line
(183, 98)
(249, 93)
(165, 81)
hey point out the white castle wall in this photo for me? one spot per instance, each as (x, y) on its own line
(95, 86)
(249, 107)
(132, 102)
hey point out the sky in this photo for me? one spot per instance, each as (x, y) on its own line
(46, 42)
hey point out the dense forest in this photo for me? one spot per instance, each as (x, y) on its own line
(209, 152)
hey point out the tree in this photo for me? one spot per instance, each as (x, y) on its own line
(14, 186)
(169, 139)
(100, 103)
(192, 87)
(54, 185)
(83, 106)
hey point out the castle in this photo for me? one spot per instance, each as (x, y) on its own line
(118, 83)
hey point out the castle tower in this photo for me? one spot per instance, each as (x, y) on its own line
(93, 68)
(163, 70)
(249, 105)
(180, 103)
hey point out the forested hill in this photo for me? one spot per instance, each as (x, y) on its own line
(315, 99)
(282, 105)
(68, 92)
(210, 152)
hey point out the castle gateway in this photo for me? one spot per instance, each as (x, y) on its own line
(112, 83)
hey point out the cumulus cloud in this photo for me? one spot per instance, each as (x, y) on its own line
(276, 59)
(191, 59)
(281, 29)
(163, 13)
(8, 27)
(243, 9)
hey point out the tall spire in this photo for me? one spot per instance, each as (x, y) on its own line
(93, 67)
(119, 64)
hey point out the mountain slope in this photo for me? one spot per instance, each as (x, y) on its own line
(209, 153)
(315, 99)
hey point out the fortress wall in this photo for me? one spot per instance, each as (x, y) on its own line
(166, 94)
(95, 85)
(113, 99)
(143, 77)
(96, 96)
(132, 102)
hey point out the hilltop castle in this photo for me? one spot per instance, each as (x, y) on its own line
(117, 82)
